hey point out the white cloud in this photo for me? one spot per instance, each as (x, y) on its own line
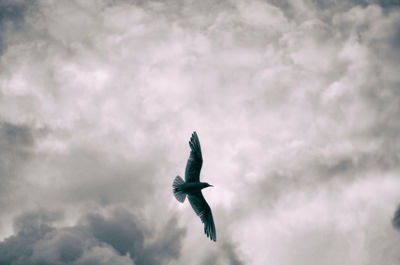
(343, 224)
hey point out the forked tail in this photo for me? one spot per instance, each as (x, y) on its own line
(176, 187)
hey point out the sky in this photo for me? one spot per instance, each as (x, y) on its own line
(296, 105)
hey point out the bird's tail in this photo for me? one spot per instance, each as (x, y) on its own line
(176, 187)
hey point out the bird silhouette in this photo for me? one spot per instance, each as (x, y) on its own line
(192, 188)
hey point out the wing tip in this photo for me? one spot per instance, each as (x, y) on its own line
(194, 136)
(210, 232)
(212, 237)
(194, 142)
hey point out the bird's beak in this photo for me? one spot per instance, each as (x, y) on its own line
(211, 185)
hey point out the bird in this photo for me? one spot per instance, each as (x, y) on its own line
(192, 187)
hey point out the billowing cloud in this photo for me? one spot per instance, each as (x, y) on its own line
(118, 239)
(296, 105)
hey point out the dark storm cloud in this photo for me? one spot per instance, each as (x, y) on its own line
(125, 235)
(30, 228)
(15, 143)
(345, 4)
(16, 146)
(119, 239)
(121, 232)
(12, 17)
(382, 3)
(396, 218)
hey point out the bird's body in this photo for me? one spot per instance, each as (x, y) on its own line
(192, 187)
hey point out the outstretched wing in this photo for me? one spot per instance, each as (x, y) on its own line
(195, 161)
(200, 206)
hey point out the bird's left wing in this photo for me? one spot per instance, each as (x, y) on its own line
(203, 210)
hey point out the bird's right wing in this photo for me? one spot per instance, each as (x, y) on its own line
(203, 210)
(195, 161)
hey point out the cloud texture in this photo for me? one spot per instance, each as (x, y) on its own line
(118, 239)
(296, 105)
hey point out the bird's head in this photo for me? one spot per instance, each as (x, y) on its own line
(208, 185)
(205, 185)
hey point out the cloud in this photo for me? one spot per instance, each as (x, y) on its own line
(295, 104)
(12, 18)
(226, 253)
(333, 224)
(16, 143)
(118, 239)
(16, 149)
(348, 4)
(396, 218)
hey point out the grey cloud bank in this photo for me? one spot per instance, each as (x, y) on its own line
(296, 104)
(97, 240)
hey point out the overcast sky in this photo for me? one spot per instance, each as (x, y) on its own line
(296, 104)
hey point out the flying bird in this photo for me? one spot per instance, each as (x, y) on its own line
(192, 188)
